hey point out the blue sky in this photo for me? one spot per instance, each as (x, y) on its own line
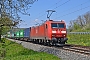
(66, 10)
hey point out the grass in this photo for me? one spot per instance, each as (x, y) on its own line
(14, 51)
(79, 39)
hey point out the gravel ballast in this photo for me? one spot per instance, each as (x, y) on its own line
(63, 54)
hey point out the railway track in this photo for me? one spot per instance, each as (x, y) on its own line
(85, 50)
(78, 49)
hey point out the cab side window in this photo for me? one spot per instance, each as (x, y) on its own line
(46, 26)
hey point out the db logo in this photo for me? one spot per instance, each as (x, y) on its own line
(58, 31)
(36, 30)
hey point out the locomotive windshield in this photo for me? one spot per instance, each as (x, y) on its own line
(57, 25)
(61, 25)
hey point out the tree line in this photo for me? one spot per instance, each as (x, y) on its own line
(81, 23)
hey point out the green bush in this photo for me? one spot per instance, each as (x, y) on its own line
(79, 39)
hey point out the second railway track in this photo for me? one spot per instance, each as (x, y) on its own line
(85, 50)
(78, 49)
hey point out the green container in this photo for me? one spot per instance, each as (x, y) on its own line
(8, 35)
(12, 35)
(21, 33)
(17, 34)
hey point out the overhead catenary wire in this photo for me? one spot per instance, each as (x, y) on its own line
(74, 11)
(68, 9)
(55, 7)
(47, 8)
(61, 4)
(73, 8)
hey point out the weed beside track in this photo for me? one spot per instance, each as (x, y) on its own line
(12, 51)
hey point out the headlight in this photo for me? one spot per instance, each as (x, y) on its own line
(63, 31)
(64, 35)
(53, 31)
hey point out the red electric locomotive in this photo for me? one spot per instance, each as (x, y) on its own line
(51, 32)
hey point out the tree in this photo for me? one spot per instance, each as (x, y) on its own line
(11, 10)
(7, 24)
(70, 26)
(87, 18)
(81, 23)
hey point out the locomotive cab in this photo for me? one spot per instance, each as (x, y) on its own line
(58, 33)
(58, 30)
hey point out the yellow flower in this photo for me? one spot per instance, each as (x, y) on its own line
(68, 38)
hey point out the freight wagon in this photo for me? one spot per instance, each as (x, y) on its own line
(16, 35)
(27, 34)
(22, 34)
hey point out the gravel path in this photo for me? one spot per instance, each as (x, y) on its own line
(63, 54)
